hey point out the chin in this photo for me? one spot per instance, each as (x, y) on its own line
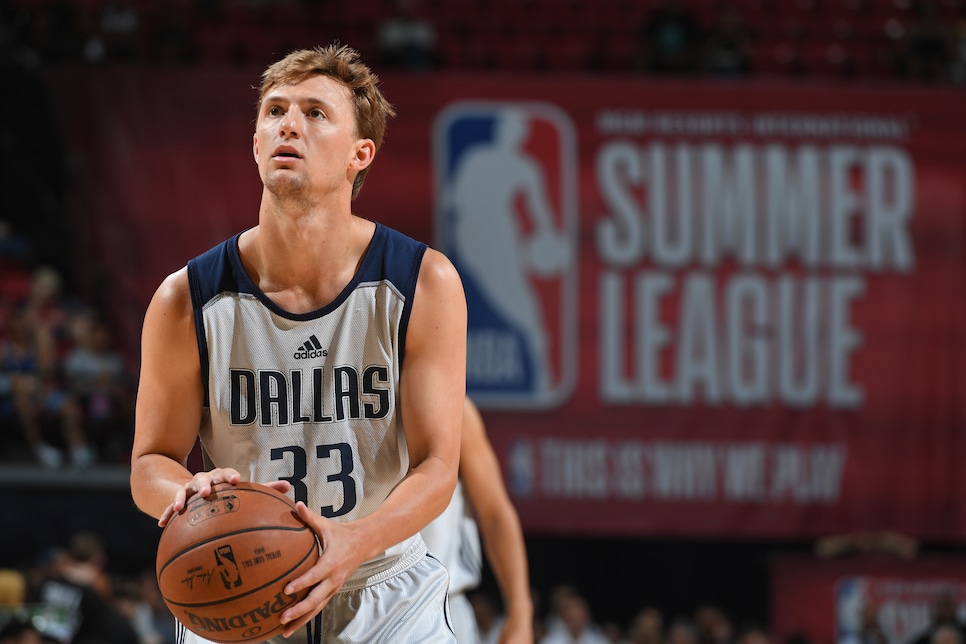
(285, 185)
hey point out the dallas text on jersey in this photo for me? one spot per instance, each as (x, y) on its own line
(319, 395)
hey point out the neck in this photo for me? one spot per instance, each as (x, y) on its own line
(304, 261)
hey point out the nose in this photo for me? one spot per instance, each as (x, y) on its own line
(290, 127)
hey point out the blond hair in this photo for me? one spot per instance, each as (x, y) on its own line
(344, 64)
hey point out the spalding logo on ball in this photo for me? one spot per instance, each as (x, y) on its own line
(224, 559)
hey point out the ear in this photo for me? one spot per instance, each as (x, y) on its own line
(255, 146)
(365, 152)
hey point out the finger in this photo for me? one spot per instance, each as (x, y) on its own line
(280, 486)
(297, 616)
(180, 499)
(205, 481)
(311, 577)
(165, 516)
(230, 475)
(313, 519)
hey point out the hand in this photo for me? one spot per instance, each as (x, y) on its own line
(341, 556)
(201, 484)
(517, 629)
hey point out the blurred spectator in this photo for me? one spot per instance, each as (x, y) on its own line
(944, 616)
(713, 625)
(927, 51)
(406, 39)
(753, 634)
(947, 634)
(682, 631)
(96, 375)
(86, 563)
(139, 599)
(647, 627)
(74, 587)
(573, 623)
(729, 46)
(612, 632)
(32, 400)
(870, 630)
(671, 40)
(20, 630)
(48, 316)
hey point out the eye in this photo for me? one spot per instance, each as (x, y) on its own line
(274, 110)
(316, 113)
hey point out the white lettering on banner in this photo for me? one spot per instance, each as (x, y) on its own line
(761, 205)
(697, 471)
(493, 358)
(673, 331)
(760, 345)
(766, 124)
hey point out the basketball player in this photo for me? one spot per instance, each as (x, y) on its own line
(282, 348)
(481, 507)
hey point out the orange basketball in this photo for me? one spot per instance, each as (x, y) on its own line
(223, 562)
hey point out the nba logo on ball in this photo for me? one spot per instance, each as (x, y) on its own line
(506, 184)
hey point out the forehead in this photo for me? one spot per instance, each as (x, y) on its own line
(318, 88)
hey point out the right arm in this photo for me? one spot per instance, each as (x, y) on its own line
(170, 403)
(499, 526)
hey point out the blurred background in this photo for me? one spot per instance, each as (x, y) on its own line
(715, 270)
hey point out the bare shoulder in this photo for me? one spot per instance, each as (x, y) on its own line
(439, 288)
(173, 295)
(437, 270)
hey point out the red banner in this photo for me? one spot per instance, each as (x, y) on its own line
(697, 309)
(832, 602)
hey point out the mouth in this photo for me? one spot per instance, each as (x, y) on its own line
(286, 153)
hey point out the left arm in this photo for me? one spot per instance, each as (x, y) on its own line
(432, 388)
(499, 526)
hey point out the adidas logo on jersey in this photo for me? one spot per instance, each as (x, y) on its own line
(311, 349)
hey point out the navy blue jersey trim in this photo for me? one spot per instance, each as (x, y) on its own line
(386, 257)
(197, 304)
(408, 305)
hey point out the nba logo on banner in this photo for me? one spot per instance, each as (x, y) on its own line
(506, 203)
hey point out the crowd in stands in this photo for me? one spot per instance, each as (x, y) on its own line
(915, 40)
(66, 393)
(70, 593)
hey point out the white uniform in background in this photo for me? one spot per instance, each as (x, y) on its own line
(454, 539)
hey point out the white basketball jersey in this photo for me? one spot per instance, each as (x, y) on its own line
(453, 537)
(309, 398)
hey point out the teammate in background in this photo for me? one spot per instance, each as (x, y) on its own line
(454, 537)
(366, 443)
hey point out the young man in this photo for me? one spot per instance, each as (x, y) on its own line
(481, 507)
(283, 349)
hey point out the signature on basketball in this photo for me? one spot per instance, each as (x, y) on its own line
(205, 575)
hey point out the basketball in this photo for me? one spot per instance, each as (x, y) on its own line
(223, 561)
(549, 254)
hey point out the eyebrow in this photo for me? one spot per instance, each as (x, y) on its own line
(311, 100)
